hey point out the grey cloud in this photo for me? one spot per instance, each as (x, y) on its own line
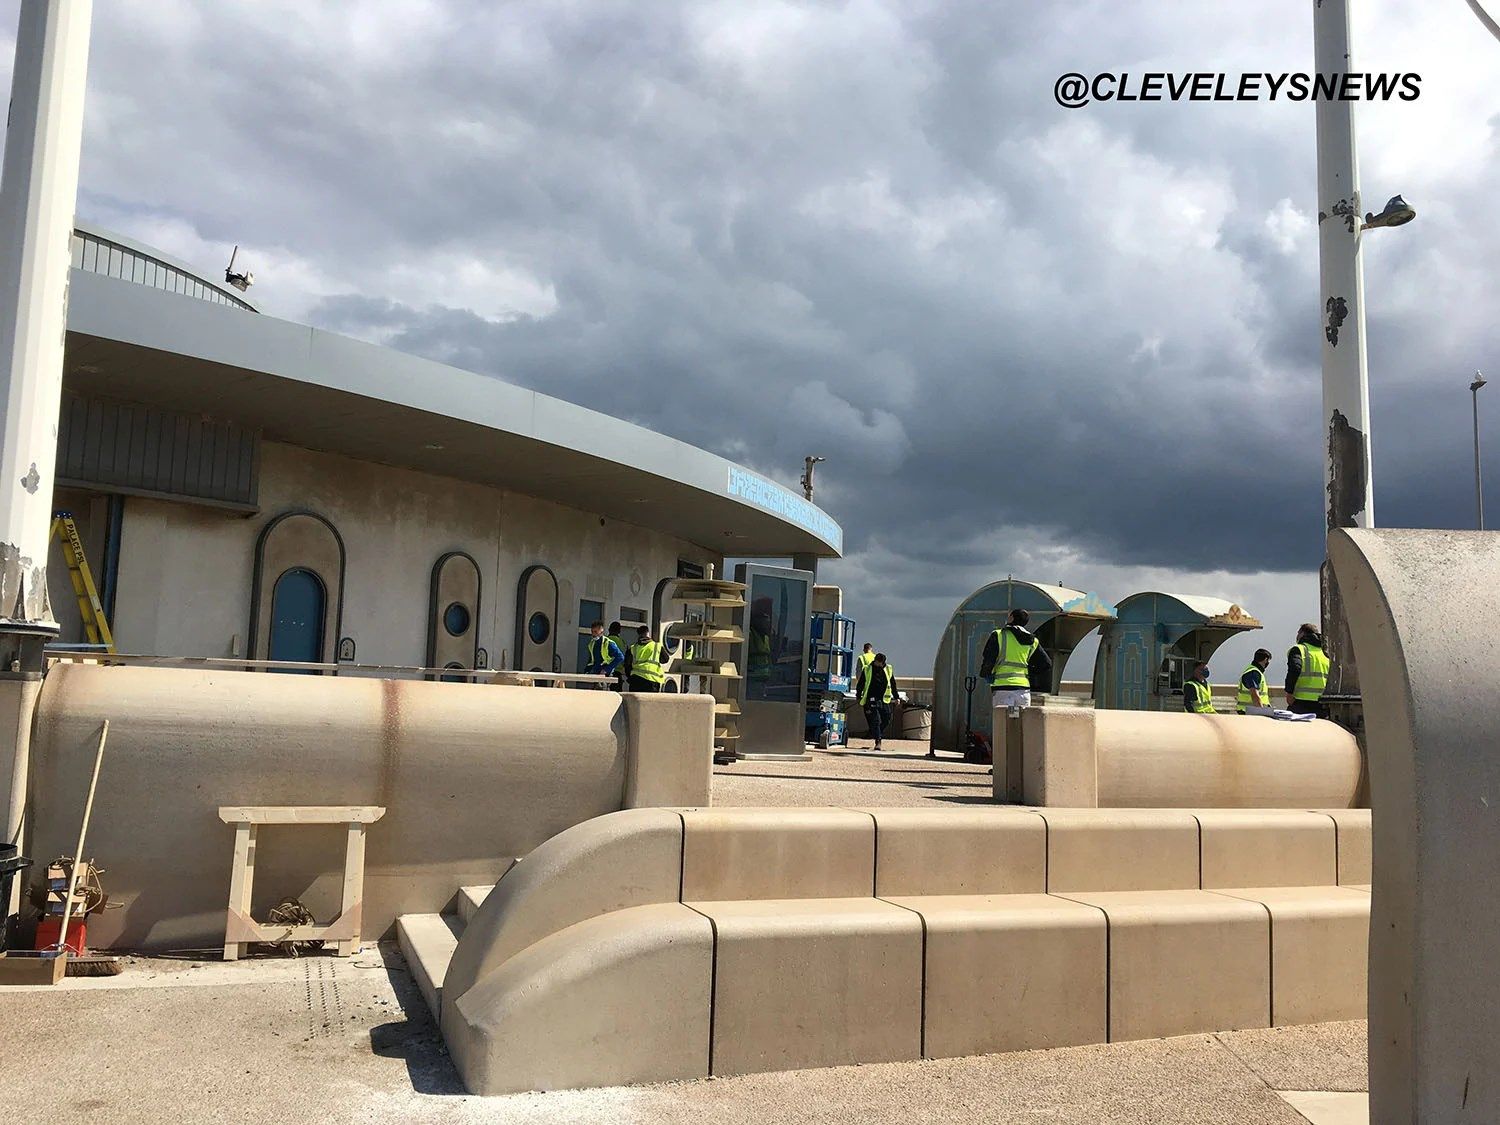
(866, 226)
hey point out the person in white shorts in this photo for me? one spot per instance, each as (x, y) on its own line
(1012, 661)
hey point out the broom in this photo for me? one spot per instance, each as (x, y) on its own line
(87, 964)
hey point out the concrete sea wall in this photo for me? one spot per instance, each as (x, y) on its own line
(471, 777)
(1085, 758)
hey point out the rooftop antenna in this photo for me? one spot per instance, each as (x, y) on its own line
(240, 281)
(807, 474)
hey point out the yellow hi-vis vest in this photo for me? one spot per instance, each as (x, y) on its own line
(1242, 697)
(645, 662)
(864, 685)
(1012, 661)
(863, 661)
(760, 656)
(599, 650)
(1203, 697)
(1314, 677)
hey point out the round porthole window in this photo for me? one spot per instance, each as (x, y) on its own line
(456, 619)
(539, 628)
(454, 679)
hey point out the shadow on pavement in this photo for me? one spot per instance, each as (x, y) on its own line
(414, 1040)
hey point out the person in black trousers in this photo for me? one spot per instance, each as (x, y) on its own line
(877, 690)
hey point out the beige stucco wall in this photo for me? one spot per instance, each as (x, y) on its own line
(471, 777)
(186, 571)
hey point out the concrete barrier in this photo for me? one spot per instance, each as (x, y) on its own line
(1424, 623)
(742, 940)
(1083, 758)
(471, 776)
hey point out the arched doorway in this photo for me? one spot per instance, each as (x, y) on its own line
(453, 613)
(297, 540)
(536, 620)
(299, 610)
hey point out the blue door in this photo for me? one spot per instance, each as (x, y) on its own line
(297, 610)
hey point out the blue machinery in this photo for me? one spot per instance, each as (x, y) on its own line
(830, 674)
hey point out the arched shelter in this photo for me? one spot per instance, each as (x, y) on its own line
(1153, 643)
(1060, 618)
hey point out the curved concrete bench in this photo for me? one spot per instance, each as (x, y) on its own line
(666, 944)
(1424, 623)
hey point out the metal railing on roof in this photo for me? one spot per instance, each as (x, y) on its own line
(91, 654)
(93, 253)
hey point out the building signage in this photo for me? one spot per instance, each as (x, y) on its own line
(754, 489)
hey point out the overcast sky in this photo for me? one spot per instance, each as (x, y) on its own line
(1074, 346)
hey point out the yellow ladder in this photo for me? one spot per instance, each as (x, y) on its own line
(89, 606)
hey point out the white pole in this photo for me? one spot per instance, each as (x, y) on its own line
(83, 833)
(1348, 492)
(38, 193)
(1346, 388)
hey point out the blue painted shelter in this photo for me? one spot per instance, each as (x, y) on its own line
(1060, 618)
(1151, 647)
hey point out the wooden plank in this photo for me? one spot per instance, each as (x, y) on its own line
(300, 814)
(19, 968)
(354, 884)
(241, 879)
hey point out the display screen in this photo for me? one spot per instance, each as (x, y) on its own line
(776, 661)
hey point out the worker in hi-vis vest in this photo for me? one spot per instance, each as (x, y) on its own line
(877, 690)
(615, 635)
(643, 663)
(1307, 667)
(1197, 695)
(863, 661)
(1254, 694)
(1015, 664)
(605, 655)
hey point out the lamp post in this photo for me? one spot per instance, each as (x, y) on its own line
(807, 474)
(1479, 381)
(1349, 496)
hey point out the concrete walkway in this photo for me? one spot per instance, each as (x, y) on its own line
(901, 774)
(319, 1039)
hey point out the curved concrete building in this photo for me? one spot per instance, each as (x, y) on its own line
(247, 487)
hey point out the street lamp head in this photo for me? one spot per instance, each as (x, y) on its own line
(1397, 213)
(1479, 381)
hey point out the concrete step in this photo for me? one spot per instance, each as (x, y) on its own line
(427, 942)
(469, 900)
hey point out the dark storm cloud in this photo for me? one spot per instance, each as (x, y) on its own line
(1020, 335)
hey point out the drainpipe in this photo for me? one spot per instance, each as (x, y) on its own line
(113, 529)
(1349, 497)
(38, 192)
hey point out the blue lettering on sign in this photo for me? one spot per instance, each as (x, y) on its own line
(745, 485)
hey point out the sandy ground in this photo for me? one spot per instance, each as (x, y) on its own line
(321, 1039)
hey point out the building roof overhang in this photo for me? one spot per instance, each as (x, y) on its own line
(323, 391)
